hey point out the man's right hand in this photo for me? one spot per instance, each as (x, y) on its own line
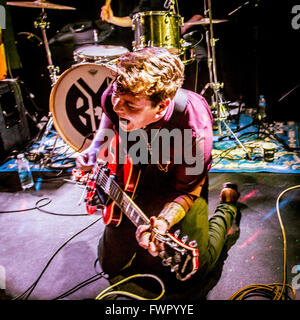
(106, 13)
(86, 159)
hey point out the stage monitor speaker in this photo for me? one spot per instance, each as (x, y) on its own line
(14, 128)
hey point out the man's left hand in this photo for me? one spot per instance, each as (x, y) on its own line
(145, 235)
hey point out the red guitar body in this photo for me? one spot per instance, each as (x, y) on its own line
(127, 178)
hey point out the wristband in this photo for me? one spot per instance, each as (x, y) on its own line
(163, 218)
(172, 213)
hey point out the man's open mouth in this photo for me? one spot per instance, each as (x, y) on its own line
(124, 121)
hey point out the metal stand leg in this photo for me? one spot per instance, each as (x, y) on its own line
(217, 101)
(53, 73)
(43, 25)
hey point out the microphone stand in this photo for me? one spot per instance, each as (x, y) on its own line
(241, 6)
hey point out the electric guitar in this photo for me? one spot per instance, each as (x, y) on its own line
(182, 258)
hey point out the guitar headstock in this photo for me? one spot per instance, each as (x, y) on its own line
(182, 258)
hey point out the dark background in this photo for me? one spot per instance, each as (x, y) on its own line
(256, 51)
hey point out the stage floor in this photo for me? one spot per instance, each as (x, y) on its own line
(30, 239)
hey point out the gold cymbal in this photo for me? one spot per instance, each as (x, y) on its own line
(205, 21)
(39, 4)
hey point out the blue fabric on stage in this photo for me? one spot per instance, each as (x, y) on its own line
(229, 156)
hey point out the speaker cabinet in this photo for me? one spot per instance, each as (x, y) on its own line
(14, 128)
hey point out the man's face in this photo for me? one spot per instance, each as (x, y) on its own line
(134, 112)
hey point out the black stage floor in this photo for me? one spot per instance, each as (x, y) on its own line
(30, 239)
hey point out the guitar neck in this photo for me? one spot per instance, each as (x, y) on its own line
(124, 202)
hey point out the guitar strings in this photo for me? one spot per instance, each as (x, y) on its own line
(125, 200)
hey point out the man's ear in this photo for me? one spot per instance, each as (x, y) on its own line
(163, 105)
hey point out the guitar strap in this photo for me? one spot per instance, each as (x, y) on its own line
(181, 99)
(180, 104)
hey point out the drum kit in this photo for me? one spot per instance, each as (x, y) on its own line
(76, 94)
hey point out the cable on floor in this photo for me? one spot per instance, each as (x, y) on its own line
(25, 295)
(272, 291)
(39, 207)
(105, 292)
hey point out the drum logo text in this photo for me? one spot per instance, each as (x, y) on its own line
(83, 106)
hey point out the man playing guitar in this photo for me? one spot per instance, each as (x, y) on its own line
(146, 96)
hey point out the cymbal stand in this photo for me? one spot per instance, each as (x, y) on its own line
(217, 99)
(53, 73)
(43, 25)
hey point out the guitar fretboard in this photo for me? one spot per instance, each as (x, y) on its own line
(113, 190)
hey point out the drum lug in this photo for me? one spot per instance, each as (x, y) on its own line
(181, 22)
(142, 41)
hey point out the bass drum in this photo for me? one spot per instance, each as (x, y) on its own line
(75, 102)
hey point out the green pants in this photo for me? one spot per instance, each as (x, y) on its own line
(210, 234)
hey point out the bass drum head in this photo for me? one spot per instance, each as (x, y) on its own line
(75, 102)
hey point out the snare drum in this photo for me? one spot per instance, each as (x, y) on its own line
(157, 29)
(75, 102)
(98, 53)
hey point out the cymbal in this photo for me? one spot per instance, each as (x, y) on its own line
(205, 21)
(39, 4)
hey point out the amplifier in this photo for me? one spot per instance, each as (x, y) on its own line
(14, 128)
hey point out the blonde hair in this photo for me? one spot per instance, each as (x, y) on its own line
(153, 72)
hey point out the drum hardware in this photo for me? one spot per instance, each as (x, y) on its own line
(41, 23)
(218, 102)
(170, 5)
(205, 21)
(188, 43)
(41, 4)
(255, 3)
(53, 73)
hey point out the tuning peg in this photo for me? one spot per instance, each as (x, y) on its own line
(175, 268)
(184, 239)
(177, 233)
(193, 244)
(166, 262)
